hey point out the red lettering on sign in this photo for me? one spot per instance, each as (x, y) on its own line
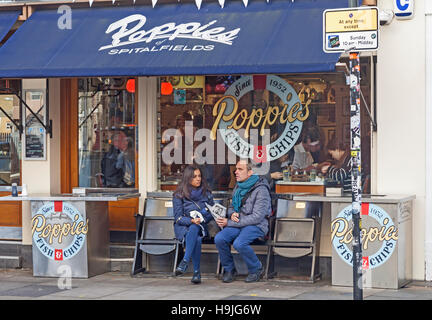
(260, 82)
(58, 254)
(365, 263)
(260, 154)
(365, 208)
(58, 206)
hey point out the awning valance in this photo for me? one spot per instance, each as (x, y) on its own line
(276, 37)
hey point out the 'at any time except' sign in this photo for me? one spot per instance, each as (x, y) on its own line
(353, 29)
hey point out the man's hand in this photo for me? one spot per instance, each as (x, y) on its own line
(222, 222)
(235, 217)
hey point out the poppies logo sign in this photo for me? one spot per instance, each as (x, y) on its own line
(378, 240)
(64, 235)
(230, 121)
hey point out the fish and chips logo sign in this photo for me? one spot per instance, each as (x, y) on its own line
(130, 31)
(229, 119)
(64, 237)
(378, 241)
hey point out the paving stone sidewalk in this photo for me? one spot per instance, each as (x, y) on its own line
(18, 284)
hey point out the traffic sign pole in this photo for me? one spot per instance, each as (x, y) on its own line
(356, 173)
(353, 30)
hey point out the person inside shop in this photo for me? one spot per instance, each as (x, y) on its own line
(112, 164)
(191, 217)
(208, 170)
(126, 161)
(340, 170)
(310, 143)
(277, 167)
(180, 141)
(246, 221)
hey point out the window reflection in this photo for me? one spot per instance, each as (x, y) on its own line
(181, 120)
(10, 143)
(107, 132)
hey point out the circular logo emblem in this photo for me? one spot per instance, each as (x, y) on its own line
(230, 121)
(59, 230)
(378, 239)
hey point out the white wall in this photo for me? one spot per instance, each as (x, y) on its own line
(428, 84)
(401, 137)
(42, 176)
(147, 126)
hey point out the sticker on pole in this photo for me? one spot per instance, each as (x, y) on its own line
(352, 29)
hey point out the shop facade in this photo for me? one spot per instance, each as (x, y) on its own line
(91, 110)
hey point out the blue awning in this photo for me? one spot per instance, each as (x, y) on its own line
(276, 37)
(7, 19)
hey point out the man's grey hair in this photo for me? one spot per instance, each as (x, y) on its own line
(257, 168)
(251, 165)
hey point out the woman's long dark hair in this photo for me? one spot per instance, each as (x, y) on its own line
(184, 187)
(333, 145)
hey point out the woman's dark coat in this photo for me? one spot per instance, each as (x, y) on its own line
(182, 219)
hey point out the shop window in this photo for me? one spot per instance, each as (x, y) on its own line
(187, 116)
(107, 132)
(10, 140)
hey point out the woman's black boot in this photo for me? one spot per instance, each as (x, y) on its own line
(196, 278)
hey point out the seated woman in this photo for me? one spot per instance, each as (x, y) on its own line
(340, 170)
(189, 198)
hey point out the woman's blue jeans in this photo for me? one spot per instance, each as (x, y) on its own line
(193, 246)
(241, 238)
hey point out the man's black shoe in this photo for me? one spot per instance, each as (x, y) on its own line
(255, 276)
(182, 267)
(196, 278)
(229, 276)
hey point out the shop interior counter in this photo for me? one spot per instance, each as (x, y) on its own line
(70, 232)
(169, 185)
(294, 187)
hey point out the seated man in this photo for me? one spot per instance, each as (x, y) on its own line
(247, 221)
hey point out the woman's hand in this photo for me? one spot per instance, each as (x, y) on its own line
(325, 168)
(276, 175)
(196, 221)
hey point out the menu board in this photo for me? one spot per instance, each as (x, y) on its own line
(35, 133)
(35, 143)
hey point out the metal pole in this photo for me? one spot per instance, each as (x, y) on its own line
(355, 173)
(353, 3)
(355, 168)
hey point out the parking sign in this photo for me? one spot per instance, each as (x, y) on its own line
(352, 29)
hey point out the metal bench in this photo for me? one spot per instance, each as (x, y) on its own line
(297, 232)
(155, 232)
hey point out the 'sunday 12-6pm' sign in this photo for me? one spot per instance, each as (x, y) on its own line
(235, 125)
(352, 29)
(59, 230)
